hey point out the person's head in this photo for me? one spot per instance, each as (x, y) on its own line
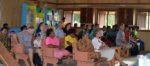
(75, 25)
(97, 26)
(30, 30)
(108, 28)
(122, 27)
(24, 27)
(5, 25)
(136, 28)
(72, 32)
(4, 30)
(132, 29)
(41, 26)
(83, 26)
(126, 28)
(63, 19)
(104, 28)
(93, 26)
(98, 33)
(50, 33)
(85, 35)
(68, 26)
(89, 27)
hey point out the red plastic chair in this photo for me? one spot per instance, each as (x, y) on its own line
(18, 50)
(48, 55)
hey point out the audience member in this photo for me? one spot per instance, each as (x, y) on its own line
(60, 33)
(25, 37)
(100, 46)
(69, 40)
(4, 37)
(67, 28)
(127, 33)
(53, 42)
(120, 38)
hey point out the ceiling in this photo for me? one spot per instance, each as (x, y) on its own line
(98, 3)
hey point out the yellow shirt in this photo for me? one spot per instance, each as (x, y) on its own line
(69, 39)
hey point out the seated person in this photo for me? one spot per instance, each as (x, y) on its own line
(69, 40)
(121, 41)
(52, 41)
(25, 38)
(100, 46)
(127, 33)
(138, 42)
(4, 38)
(120, 38)
(60, 33)
(37, 45)
(85, 45)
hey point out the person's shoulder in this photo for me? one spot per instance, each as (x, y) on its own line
(94, 39)
(19, 33)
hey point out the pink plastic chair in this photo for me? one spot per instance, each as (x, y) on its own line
(48, 55)
(18, 50)
(83, 60)
(82, 57)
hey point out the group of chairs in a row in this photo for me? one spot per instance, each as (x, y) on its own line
(48, 55)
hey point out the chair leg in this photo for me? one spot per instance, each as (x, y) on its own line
(44, 64)
(17, 60)
(109, 63)
(26, 62)
(54, 64)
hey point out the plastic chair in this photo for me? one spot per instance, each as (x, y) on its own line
(18, 50)
(48, 55)
(118, 50)
(82, 58)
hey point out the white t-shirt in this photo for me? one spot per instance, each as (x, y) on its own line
(97, 43)
(37, 43)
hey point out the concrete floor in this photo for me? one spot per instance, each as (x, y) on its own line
(130, 61)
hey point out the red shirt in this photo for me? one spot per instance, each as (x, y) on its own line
(127, 35)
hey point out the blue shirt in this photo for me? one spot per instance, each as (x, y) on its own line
(25, 38)
(59, 33)
(120, 36)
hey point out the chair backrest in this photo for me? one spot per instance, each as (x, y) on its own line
(76, 53)
(17, 48)
(7, 56)
(47, 52)
(80, 56)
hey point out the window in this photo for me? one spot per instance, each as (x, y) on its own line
(143, 20)
(106, 18)
(72, 17)
(76, 18)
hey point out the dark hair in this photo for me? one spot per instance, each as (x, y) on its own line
(82, 25)
(75, 25)
(31, 27)
(67, 25)
(5, 24)
(4, 28)
(23, 27)
(82, 34)
(38, 28)
(48, 32)
(63, 19)
(126, 26)
(108, 27)
(71, 31)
